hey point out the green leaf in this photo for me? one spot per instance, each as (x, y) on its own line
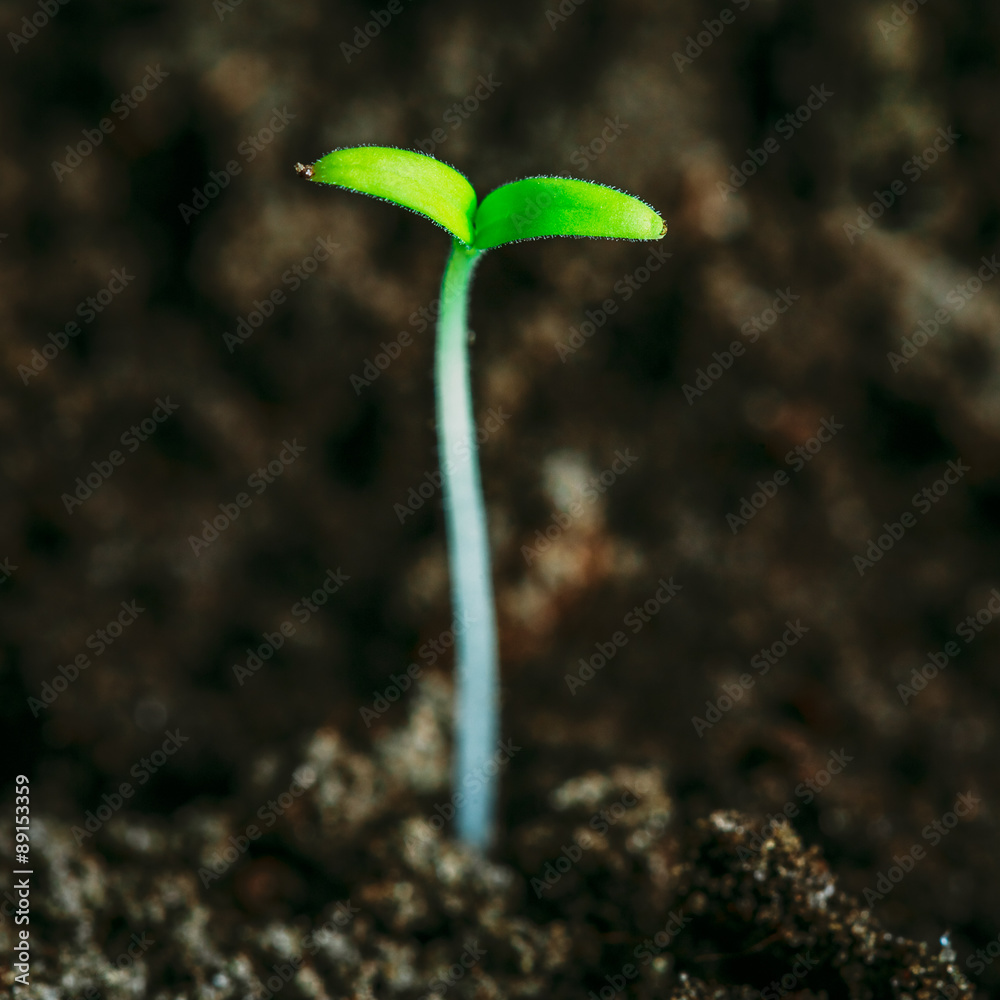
(560, 206)
(413, 180)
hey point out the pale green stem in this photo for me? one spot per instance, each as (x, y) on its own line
(477, 702)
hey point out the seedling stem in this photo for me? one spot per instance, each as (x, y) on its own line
(477, 673)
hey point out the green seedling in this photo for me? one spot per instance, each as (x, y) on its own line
(522, 210)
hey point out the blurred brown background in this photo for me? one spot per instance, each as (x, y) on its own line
(258, 85)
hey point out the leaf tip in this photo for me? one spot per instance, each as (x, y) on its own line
(304, 170)
(663, 231)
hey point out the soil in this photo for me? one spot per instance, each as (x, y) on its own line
(345, 886)
(766, 647)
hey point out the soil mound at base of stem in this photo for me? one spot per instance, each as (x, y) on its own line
(354, 889)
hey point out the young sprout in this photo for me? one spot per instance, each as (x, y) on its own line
(522, 210)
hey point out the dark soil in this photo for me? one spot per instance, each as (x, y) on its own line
(777, 680)
(349, 889)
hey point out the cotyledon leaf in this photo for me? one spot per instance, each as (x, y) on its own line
(561, 206)
(412, 180)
